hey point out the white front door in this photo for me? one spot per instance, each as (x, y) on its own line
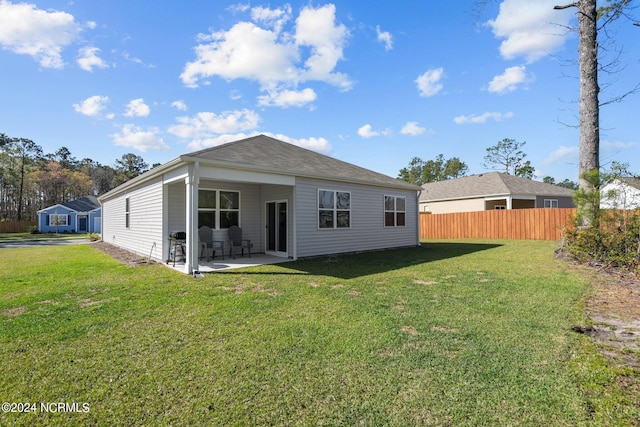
(277, 232)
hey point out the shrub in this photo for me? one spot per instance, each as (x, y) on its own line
(34, 229)
(606, 236)
(94, 237)
(612, 239)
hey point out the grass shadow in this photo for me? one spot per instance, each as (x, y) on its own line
(350, 266)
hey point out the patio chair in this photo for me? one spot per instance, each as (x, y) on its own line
(205, 239)
(235, 236)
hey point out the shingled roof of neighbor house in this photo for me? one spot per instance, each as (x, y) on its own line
(632, 181)
(83, 204)
(489, 185)
(264, 153)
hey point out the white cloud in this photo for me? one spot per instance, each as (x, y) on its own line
(245, 51)
(27, 30)
(563, 154)
(287, 98)
(316, 144)
(530, 29)
(137, 108)
(269, 55)
(366, 131)
(317, 30)
(88, 59)
(179, 105)
(429, 83)
(239, 7)
(412, 129)
(205, 128)
(385, 37)
(92, 106)
(273, 18)
(139, 139)
(498, 117)
(320, 145)
(618, 145)
(509, 80)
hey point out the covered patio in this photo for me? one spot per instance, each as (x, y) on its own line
(219, 264)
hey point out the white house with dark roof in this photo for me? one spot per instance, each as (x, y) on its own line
(492, 190)
(81, 215)
(621, 193)
(289, 201)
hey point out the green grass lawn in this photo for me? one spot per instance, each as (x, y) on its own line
(452, 333)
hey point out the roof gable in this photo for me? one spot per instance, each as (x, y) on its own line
(269, 154)
(490, 184)
(83, 204)
(631, 181)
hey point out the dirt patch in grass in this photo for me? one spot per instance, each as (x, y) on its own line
(409, 330)
(87, 302)
(13, 312)
(425, 282)
(122, 255)
(614, 310)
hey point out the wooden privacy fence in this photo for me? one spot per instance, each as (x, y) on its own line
(518, 224)
(16, 226)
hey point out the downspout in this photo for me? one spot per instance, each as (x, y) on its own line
(418, 194)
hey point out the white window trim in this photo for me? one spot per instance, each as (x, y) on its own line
(395, 211)
(217, 209)
(335, 209)
(66, 220)
(552, 202)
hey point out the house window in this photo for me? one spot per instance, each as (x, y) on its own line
(59, 220)
(126, 213)
(500, 207)
(394, 211)
(334, 209)
(550, 203)
(218, 209)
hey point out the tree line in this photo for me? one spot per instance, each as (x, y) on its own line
(31, 180)
(506, 156)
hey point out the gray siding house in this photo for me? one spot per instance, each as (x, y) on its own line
(289, 201)
(492, 190)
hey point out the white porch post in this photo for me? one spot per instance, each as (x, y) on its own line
(509, 202)
(191, 209)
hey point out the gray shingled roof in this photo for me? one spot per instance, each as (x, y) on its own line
(269, 154)
(489, 184)
(632, 181)
(83, 204)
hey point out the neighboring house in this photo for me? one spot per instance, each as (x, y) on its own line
(77, 216)
(492, 190)
(289, 201)
(621, 193)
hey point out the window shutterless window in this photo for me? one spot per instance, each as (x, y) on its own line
(394, 211)
(126, 212)
(550, 203)
(218, 209)
(58, 219)
(334, 209)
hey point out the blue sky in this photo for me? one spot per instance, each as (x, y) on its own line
(371, 83)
